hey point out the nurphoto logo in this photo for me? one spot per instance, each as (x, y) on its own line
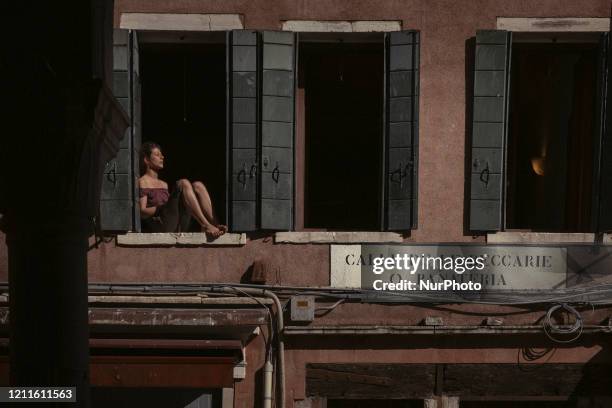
(412, 264)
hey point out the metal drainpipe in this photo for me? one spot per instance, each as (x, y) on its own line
(280, 369)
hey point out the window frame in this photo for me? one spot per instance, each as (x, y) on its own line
(385, 224)
(526, 27)
(297, 177)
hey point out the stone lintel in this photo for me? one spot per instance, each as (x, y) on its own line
(564, 24)
(337, 237)
(517, 237)
(180, 22)
(183, 238)
(328, 26)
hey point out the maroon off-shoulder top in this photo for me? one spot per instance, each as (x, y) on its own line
(155, 196)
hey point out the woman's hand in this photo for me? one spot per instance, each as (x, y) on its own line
(146, 212)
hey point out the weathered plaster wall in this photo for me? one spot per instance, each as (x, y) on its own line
(445, 27)
(296, 265)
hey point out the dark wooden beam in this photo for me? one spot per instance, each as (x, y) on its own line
(177, 317)
(145, 371)
(470, 381)
(358, 381)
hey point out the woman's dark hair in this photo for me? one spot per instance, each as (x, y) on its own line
(145, 151)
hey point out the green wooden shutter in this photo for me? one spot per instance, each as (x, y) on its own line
(118, 200)
(603, 145)
(243, 130)
(136, 130)
(277, 128)
(491, 77)
(401, 130)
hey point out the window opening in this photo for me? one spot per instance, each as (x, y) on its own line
(381, 403)
(512, 404)
(341, 87)
(184, 110)
(171, 397)
(552, 124)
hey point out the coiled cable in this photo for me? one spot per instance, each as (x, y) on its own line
(550, 327)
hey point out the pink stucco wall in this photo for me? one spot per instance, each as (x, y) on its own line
(445, 27)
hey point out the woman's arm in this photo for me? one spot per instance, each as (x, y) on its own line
(146, 212)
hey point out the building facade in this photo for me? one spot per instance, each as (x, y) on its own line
(327, 131)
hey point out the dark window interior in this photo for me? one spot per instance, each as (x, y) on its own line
(120, 397)
(551, 135)
(184, 110)
(513, 404)
(368, 403)
(343, 92)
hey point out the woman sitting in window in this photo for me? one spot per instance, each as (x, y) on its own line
(162, 211)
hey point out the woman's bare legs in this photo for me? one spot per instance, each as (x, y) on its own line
(206, 205)
(192, 204)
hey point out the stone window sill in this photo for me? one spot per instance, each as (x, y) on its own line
(519, 237)
(180, 239)
(337, 237)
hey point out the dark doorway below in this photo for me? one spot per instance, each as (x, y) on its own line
(551, 135)
(343, 88)
(118, 397)
(184, 110)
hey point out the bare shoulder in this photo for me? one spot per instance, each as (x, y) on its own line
(144, 182)
(150, 182)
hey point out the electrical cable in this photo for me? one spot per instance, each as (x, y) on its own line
(332, 307)
(269, 341)
(550, 327)
(596, 295)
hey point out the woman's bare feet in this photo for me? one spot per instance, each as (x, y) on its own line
(222, 227)
(212, 230)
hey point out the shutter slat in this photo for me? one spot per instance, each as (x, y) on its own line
(489, 109)
(486, 189)
(279, 134)
(401, 130)
(488, 130)
(277, 109)
(485, 159)
(488, 134)
(137, 130)
(117, 185)
(276, 159)
(242, 160)
(490, 57)
(278, 83)
(121, 163)
(489, 83)
(245, 135)
(400, 83)
(119, 195)
(121, 87)
(277, 131)
(400, 134)
(243, 187)
(243, 131)
(244, 110)
(244, 84)
(281, 190)
(115, 214)
(244, 58)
